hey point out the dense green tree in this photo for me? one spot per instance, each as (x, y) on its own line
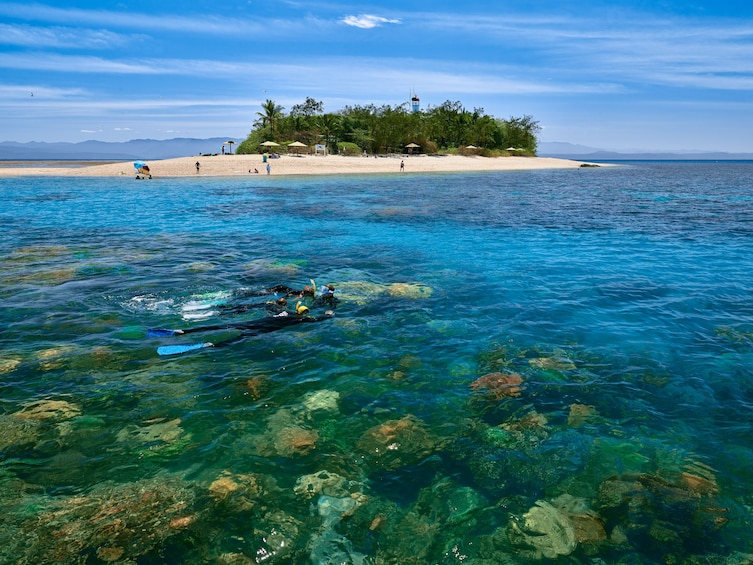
(308, 109)
(521, 133)
(388, 129)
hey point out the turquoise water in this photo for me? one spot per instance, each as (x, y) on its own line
(521, 366)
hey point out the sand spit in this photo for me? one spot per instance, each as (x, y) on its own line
(244, 165)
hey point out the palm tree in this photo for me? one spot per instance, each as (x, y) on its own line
(271, 113)
(330, 128)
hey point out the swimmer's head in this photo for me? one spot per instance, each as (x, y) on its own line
(308, 290)
(301, 309)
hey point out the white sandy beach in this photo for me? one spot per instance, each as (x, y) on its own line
(240, 165)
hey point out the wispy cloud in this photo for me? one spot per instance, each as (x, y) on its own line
(200, 24)
(23, 91)
(367, 21)
(368, 76)
(59, 37)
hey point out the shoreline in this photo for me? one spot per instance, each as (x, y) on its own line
(285, 165)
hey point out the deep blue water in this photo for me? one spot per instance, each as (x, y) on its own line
(614, 305)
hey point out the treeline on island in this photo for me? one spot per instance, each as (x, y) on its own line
(447, 128)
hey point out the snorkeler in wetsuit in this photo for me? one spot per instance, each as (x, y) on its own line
(273, 308)
(308, 293)
(248, 329)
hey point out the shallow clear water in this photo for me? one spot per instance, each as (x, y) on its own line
(620, 299)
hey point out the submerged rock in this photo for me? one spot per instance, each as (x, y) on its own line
(295, 441)
(47, 409)
(329, 546)
(410, 290)
(18, 433)
(499, 385)
(325, 400)
(8, 364)
(276, 535)
(238, 492)
(587, 524)
(580, 414)
(117, 522)
(323, 483)
(398, 442)
(544, 532)
(675, 514)
(161, 438)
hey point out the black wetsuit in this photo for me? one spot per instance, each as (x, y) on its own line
(262, 325)
(258, 327)
(273, 308)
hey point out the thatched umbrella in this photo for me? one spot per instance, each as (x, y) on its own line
(297, 145)
(412, 146)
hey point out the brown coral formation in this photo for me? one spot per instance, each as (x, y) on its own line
(295, 441)
(54, 410)
(580, 414)
(398, 442)
(255, 387)
(499, 385)
(115, 521)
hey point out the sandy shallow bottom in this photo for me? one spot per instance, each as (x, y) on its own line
(240, 165)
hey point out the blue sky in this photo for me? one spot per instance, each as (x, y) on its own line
(624, 75)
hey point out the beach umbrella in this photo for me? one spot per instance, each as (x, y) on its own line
(230, 143)
(270, 144)
(471, 147)
(413, 145)
(297, 144)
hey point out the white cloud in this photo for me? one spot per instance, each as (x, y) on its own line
(367, 21)
(200, 24)
(30, 36)
(39, 92)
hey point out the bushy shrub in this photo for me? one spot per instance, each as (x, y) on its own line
(349, 149)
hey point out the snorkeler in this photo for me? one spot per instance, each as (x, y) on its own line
(247, 329)
(272, 308)
(326, 297)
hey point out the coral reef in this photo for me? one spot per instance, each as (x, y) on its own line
(47, 409)
(9, 364)
(499, 385)
(410, 290)
(395, 443)
(324, 483)
(544, 531)
(113, 521)
(158, 438)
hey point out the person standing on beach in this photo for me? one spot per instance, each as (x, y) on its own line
(402, 166)
(198, 166)
(269, 168)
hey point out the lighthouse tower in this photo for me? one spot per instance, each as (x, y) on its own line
(415, 103)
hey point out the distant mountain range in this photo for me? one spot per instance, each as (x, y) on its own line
(583, 153)
(182, 147)
(116, 151)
